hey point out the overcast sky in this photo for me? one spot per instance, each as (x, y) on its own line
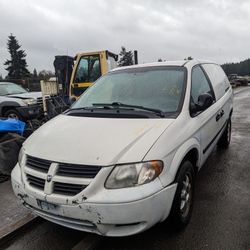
(216, 30)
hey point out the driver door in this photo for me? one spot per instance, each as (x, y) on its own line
(206, 120)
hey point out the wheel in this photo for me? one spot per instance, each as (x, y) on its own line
(12, 113)
(225, 139)
(182, 206)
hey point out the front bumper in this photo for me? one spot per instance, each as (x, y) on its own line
(29, 112)
(109, 219)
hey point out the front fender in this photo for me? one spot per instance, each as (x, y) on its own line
(8, 104)
(173, 161)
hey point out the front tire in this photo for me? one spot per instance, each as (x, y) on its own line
(13, 114)
(182, 206)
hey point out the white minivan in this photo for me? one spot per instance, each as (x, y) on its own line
(125, 155)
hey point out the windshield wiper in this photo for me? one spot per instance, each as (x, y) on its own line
(119, 104)
(87, 108)
(82, 109)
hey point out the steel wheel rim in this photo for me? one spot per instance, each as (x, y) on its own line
(186, 196)
(13, 116)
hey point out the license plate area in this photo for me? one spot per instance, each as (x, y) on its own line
(44, 205)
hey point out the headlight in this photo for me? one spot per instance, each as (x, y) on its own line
(21, 157)
(30, 101)
(133, 174)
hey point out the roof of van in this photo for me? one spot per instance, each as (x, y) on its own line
(166, 63)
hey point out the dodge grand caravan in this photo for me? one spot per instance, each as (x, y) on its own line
(125, 155)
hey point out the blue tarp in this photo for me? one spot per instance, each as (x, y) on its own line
(12, 125)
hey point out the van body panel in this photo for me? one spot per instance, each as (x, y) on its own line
(102, 142)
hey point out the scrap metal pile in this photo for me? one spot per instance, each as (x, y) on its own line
(11, 139)
(14, 132)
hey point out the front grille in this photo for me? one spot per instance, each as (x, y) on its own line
(36, 182)
(67, 189)
(39, 100)
(75, 170)
(38, 164)
(72, 171)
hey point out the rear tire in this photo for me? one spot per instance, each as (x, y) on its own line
(225, 139)
(182, 206)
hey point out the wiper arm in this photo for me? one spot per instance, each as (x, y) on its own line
(87, 108)
(119, 104)
(82, 108)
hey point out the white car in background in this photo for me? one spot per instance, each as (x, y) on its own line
(17, 103)
(126, 154)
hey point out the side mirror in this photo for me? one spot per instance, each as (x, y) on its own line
(204, 101)
(72, 100)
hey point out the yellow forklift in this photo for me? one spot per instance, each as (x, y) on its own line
(73, 76)
(88, 67)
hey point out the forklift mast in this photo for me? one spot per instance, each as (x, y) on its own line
(63, 69)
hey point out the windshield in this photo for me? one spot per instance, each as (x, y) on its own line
(11, 89)
(88, 69)
(152, 87)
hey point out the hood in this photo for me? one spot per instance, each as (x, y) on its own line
(27, 95)
(95, 141)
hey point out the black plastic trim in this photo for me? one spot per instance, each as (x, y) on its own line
(125, 113)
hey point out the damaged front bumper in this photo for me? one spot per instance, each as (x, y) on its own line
(109, 219)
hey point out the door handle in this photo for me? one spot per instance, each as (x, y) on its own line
(218, 116)
(221, 113)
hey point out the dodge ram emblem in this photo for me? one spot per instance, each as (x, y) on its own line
(49, 178)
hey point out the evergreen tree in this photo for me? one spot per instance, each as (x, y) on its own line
(45, 74)
(1, 77)
(35, 73)
(241, 68)
(159, 60)
(126, 57)
(16, 66)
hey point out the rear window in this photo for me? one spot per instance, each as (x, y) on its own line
(218, 79)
